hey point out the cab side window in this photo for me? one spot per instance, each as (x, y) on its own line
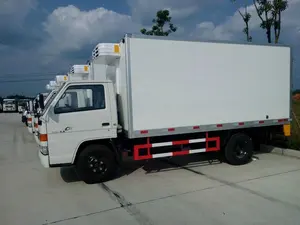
(79, 98)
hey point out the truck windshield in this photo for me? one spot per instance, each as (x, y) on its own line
(49, 101)
(8, 102)
(22, 103)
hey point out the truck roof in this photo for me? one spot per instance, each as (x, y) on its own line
(89, 81)
(172, 38)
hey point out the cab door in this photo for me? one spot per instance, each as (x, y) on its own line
(83, 112)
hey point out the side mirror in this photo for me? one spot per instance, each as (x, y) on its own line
(41, 101)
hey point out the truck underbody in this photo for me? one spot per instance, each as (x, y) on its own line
(235, 147)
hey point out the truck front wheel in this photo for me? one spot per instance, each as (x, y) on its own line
(239, 149)
(95, 164)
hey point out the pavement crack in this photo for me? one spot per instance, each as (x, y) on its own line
(141, 218)
(237, 186)
(79, 216)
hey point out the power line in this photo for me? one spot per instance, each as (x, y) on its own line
(25, 80)
(30, 74)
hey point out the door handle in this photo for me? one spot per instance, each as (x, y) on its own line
(66, 129)
(105, 124)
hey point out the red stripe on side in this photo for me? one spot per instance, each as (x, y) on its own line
(185, 142)
(215, 139)
(136, 151)
(171, 129)
(185, 152)
(219, 125)
(241, 124)
(144, 132)
(282, 120)
(261, 122)
(196, 127)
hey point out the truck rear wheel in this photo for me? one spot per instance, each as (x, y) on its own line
(239, 149)
(95, 164)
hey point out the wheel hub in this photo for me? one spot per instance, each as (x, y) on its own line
(97, 165)
(240, 151)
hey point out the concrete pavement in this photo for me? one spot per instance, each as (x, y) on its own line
(181, 191)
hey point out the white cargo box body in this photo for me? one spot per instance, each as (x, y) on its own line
(169, 86)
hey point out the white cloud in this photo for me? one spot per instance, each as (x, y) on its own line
(232, 28)
(70, 29)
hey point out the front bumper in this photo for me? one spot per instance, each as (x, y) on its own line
(44, 159)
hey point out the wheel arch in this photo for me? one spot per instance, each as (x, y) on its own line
(107, 142)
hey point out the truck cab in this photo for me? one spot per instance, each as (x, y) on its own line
(22, 105)
(9, 105)
(81, 111)
(77, 72)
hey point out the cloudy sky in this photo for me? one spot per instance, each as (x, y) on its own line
(42, 38)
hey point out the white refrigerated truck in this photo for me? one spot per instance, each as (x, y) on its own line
(59, 80)
(22, 105)
(157, 97)
(29, 116)
(34, 105)
(9, 105)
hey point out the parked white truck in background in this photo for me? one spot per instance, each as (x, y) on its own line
(36, 109)
(22, 105)
(34, 105)
(51, 87)
(59, 80)
(154, 97)
(9, 105)
(29, 116)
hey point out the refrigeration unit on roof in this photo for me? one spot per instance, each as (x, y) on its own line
(104, 61)
(61, 79)
(80, 69)
(79, 72)
(53, 83)
(107, 52)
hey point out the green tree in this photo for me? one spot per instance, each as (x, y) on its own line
(16, 97)
(270, 15)
(297, 91)
(246, 16)
(162, 19)
(279, 6)
(269, 12)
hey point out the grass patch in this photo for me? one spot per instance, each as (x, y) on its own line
(294, 142)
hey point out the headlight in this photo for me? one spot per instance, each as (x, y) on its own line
(44, 150)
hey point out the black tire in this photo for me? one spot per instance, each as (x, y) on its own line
(96, 164)
(239, 149)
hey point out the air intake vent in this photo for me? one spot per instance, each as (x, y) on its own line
(82, 69)
(106, 49)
